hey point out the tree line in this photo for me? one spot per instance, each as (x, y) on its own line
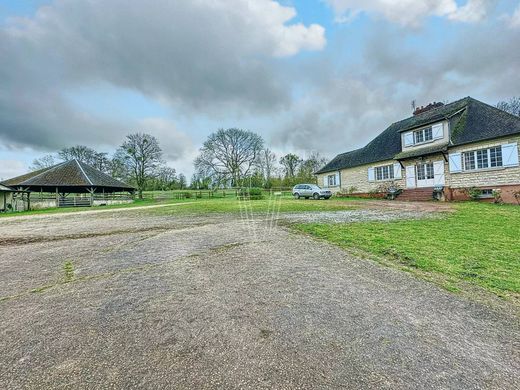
(235, 158)
(138, 161)
(228, 158)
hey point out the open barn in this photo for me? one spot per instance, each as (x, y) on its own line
(71, 184)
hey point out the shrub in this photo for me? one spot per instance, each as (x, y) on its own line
(188, 195)
(351, 190)
(473, 192)
(250, 193)
(497, 194)
(517, 196)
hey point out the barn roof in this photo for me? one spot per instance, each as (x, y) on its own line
(6, 189)
(70, 176)
(470, 121)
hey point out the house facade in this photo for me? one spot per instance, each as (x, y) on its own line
(448, 148)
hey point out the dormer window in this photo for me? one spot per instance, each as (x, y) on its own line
(423, 135)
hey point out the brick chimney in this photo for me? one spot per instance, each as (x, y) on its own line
(431, 106)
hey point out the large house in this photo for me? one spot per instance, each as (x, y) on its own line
(450, 148)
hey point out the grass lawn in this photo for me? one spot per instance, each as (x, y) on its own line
(232, 205)
(205, 205)
(478, 243)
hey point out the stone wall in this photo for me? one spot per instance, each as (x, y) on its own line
(488, 178)
(357, 178)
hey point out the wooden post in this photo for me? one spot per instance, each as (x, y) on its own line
(91, 196)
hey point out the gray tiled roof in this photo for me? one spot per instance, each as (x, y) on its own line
(470, 121)
(69, 174)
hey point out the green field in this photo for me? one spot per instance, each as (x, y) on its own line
(232, 205)
(478, 243)
(217, 204)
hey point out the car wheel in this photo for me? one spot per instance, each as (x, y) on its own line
(316, 196)
(327, 197)
(296, 196)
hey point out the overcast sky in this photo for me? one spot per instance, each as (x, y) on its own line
(324, 75)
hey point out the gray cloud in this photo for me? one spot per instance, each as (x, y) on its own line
(347, 104)
(195, 56)
(221, 59)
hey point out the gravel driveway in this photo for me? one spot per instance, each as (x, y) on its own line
(207, 302)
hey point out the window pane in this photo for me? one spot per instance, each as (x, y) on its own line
(429, 171)
(469, 160)
(496, 156)
(391, 171)
(379, 173)
(419, 136)
(421, 172)
(428, 134)
(482, 159)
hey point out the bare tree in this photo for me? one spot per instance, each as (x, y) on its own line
(43, 162)
(141, 154)
(266, 163)
(290, 163)
(182, 181)
(512, 105)
(229, 155)
(79, 152)
(166, 177)
(307, 167)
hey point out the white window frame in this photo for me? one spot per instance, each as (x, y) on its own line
(384, 172)
(473, 154)
(421, 133)
(331, 183)
(424, 135)
(429, 171)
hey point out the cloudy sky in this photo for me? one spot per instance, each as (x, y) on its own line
(323, 75)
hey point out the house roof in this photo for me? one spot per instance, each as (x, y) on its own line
(470, 121)
(426, 151)
(71, 174)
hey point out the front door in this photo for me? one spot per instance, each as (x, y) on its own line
(425, 174)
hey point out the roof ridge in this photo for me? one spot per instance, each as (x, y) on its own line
(83, 172)
(435, 109)
(496, 108)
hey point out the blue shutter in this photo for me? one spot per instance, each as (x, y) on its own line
(408, 139)
(371, 174)
(455, 162)
(510, 155)
(397, 171)
(438, 131)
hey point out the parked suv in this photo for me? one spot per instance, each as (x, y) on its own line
(310, 191)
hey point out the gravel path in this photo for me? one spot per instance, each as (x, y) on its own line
(212, 302)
